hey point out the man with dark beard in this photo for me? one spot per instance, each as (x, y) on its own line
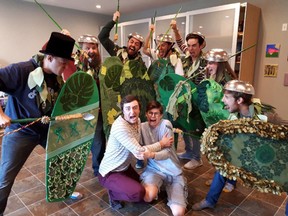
(134, 44)
(88, 59)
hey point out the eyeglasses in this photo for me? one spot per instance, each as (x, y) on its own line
(156, 114)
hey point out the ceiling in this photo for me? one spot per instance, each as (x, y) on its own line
(108, 7)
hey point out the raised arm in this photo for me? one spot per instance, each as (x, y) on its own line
(147, 44)
(179, 40)
(104, 35)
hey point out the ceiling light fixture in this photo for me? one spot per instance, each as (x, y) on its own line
(98, 6)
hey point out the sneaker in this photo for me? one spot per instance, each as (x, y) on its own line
(203, 204)
(76, 196)
(139, 164)
(115, 204)
(228, 187)
(185, 155)
(192, 164)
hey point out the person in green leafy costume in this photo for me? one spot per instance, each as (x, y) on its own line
(121, 74)
(210, 93)
(129, 52)
(218, 67)
(88, 59)
(238, 101)
(194, 65)
(164, 50)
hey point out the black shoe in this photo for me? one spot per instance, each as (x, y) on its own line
(139, 164)
(115, 204)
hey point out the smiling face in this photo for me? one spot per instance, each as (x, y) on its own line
(154, 117)
(131, 112)
(133, 46)
(91, 49)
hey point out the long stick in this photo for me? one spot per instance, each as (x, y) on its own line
(152, 22)
(54, 21)
(46, 119)
(117, 21)
(170, 26)
(242, 51)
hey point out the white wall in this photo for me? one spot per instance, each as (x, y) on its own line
(273, 15)
(24, 27)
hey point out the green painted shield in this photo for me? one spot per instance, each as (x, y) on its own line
(159, 68)
(69, 141)
(190, 121)
(209, 101)
(253, 151)
(117, 81)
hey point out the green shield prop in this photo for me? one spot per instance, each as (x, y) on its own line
(186, 96)
(118, 80)
(69, 141)
(251, 151)
(209, 101)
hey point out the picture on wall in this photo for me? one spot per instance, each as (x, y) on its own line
(271, 70)
(272, 50)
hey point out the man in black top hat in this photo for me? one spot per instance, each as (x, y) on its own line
(33, 87)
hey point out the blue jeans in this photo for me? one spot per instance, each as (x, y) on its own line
(98, 145)
(192, 145)
(216, 188)
(286, 211)
(16, 148)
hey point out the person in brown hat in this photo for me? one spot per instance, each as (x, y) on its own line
(134, 43)
(32, 87)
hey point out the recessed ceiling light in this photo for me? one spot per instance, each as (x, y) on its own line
(200, 27)
(183, 23)
(98, 6)
(226, 16)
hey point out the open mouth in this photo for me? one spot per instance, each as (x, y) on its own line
(132, 117)
(132, 49)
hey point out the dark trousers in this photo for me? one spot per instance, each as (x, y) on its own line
(16, 148)
(98, 145)
(123, 185)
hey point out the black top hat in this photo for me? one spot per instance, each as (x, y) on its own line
(59, 45)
